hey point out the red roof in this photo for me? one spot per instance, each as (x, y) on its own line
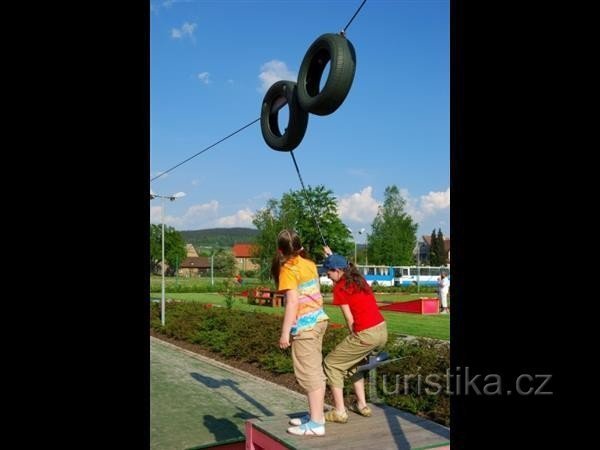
(242, 250)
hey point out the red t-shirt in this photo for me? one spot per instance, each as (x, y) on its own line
(362, 305)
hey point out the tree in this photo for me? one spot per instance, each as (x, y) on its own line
(434, 258)
(296, 210)
(393, 237)
(442, 255)
(174, 248)
(225, 263)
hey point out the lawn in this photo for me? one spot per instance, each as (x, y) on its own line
(432, 325)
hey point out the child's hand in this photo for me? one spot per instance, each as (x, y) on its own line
(327, 250)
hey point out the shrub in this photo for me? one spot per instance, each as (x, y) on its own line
(253, 336)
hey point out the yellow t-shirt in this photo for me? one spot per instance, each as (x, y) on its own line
(301, 274)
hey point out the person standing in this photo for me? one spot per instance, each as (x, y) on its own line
(305, 322)
(443, 288)
(368, 332)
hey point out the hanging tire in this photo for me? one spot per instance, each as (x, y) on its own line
(340, 53)
(277, 96)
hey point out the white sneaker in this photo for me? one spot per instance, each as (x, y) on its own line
(308, 429)
(296, 421)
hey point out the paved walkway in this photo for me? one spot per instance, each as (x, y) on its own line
(195, 400)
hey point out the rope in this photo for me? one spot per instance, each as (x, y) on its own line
(348, 24)
(202, 151)
(307, 198)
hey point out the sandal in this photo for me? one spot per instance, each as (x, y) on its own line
(366, 411)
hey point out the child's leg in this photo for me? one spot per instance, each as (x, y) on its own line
(316, 404)
(308, 368)
(338, 398)
(359, 390)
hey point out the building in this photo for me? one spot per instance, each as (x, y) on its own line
(243, 257)
(194, 265)
(425, 246)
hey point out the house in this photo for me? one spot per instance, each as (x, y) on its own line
(194, 265)
(425, 246)
(243, 257)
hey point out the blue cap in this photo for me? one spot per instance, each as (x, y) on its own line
(333, 261)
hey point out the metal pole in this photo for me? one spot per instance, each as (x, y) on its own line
(162, 300)
(212, 278)
(418, 268)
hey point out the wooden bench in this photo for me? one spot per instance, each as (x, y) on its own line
(266, 297)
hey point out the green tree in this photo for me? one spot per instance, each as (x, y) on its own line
(434, 258)
(295, 210)
(224, 263)
(174, 248)
(393, 236)
(442, 255)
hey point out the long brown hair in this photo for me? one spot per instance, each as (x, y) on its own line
(288, 246)
(355, 281)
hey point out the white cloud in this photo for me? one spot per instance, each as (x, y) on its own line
(195, 182)
(360, 207)
(204, 77)
(426, 206)
(201, 216)
(435, 201)
(273, 71)
(187, 29)
(242, 218)
(357, 172)
(193, 216)
(155, 7)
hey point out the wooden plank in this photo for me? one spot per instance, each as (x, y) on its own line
(388, 428)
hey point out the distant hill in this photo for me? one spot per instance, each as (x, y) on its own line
(219, 237)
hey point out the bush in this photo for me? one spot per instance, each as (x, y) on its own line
(252, 337)
(420, 358)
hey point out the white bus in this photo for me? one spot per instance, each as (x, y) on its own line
(399, 275)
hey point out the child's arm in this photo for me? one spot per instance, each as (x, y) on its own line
(291, 308)
(348, 316)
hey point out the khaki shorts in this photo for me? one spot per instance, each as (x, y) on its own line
(342, 361)
(307, 355)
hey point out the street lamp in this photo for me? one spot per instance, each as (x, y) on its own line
(354, 239)
(418, 250)
(363, 231)
(162, 264)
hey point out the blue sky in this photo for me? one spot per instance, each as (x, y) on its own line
(211, 63)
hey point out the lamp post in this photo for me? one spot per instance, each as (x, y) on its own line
(212, 265)
(354, 239)
(162, 264)
(362, 231)
(418, 250)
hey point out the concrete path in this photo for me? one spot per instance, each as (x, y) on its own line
(195, 400)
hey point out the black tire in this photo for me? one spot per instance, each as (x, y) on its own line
(338, 50)
(298, 118)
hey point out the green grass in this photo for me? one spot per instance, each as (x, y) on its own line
(431, 325)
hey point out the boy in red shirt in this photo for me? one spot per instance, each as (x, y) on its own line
(368, 331)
